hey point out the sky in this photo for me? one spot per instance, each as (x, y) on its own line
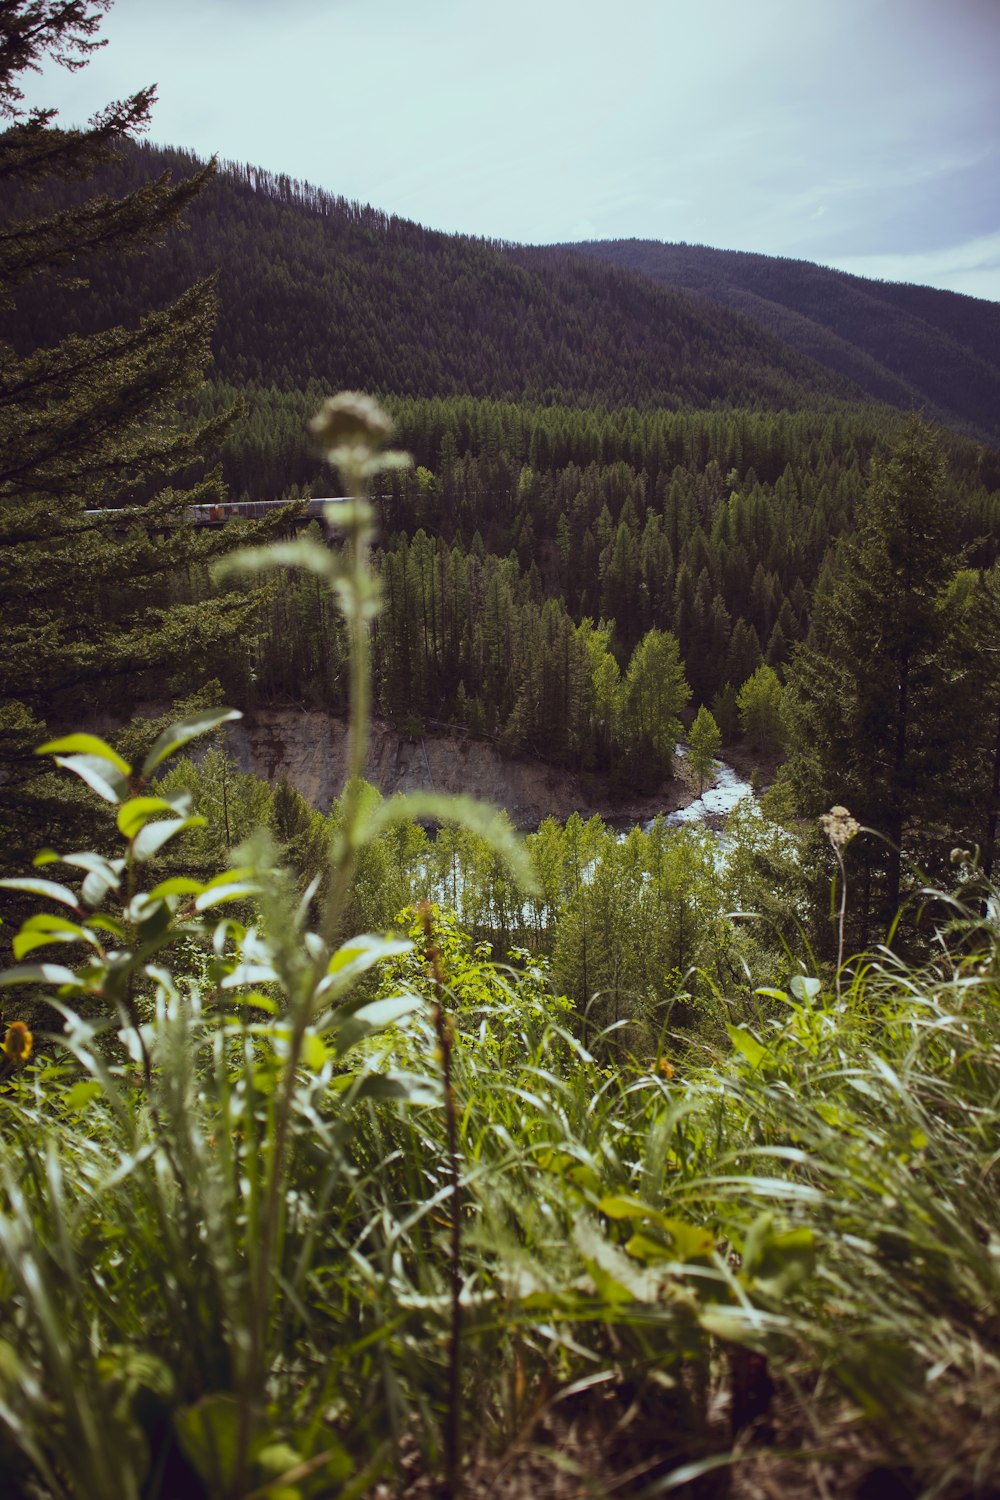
(863, 134)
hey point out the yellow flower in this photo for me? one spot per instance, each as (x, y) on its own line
(17, 1043)
(665, 1066)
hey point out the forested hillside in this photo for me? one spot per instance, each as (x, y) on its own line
(312, 287)
(519, 525)
(911, 346)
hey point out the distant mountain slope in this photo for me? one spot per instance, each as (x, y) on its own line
(908, 345)
(312, 287)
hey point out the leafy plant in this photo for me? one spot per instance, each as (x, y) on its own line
(161, 1259)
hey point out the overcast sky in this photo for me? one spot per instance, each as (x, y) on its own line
(859, 133)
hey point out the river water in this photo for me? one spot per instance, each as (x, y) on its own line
(716, 801)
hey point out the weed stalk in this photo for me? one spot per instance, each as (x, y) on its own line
(445, 1038)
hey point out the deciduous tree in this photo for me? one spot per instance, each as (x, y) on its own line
(704, 744)
(759, 705)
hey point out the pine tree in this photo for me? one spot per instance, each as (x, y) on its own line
(972, 646)
(868, 695)
(725, 712)
(91, 529)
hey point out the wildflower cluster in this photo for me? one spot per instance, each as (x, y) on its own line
(839, 827)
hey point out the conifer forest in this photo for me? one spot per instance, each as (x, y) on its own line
(387, 1144)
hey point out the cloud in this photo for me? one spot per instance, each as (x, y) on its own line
(835, 131)
(972, 267)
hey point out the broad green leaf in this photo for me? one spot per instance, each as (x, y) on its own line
(273, 1463)
(84, 1093)
(247, 973)
(48, 927)
(804, 988)
(778, 1260)
(154, 921)
(687, 1242)
(554, 1161)
(238, 872)
(349, 1028)
(101, 775)
(616, 1278)
(103, 875)
(137, 811)
(39, 974)
(94, 864)
(259, 1002)
(177, 885)
(585, 1177)
(649, 1251)
(185, 730)
(355, 957)
(151, 838)
(386, 1012)
(230, 890)
(314, 1053)
(103, 923)
(366, 949)
(39, 887)
(691, 1241)
(94, 890)
(85, 744)
(618, 1207)
(747, 1044)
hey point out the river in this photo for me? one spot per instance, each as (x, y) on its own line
(716, 801)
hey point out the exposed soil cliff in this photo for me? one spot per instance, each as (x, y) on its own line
(310, 749)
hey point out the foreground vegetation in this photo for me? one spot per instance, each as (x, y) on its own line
(286, 1207)
(276, 1207)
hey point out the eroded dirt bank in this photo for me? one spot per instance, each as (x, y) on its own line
(310, 749)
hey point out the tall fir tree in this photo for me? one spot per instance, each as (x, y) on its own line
(868, 700)
(92, 529)
(973, 668)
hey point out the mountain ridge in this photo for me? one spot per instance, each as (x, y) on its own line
(312, 287)
(902, 343)
(315, 289)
